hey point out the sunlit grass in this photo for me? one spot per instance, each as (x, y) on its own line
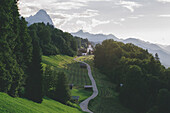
(76, 75)
(83, 94)
(19, 105)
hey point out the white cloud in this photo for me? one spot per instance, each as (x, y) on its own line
(86, 14)
(67, 5)
(136, 16)
(30, 7)
(96, 22)
(85, 1)
(164, 16)
(122, 19)
(164, 1)
(68, 17)
(89, 24)
(129, 5)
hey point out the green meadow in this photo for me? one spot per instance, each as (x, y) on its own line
(20, 105)
(76, 75)
(107, 101)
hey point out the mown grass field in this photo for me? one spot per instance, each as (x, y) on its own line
(19, 105)
(107, 101)
(76, 75)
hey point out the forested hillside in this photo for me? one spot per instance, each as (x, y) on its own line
(53, 41)
(142, 82)
(15, 49)
(21, 50)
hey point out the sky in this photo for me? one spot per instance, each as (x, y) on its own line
(148, 20)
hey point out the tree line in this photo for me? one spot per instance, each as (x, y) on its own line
(21, 48)
(142, 81)
(54, 41)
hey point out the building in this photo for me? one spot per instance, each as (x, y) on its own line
(90, 50)
(88, 87)
(75, 99)
(84, 54)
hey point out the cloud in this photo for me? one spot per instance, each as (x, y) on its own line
(96, 22)
(86, 14)
(30, 7)
(164, 1)
(67, 5)
(136, 16)
(164, 16)
(60, 17)
(85, 1)
(86, 25)
(122, 19)
(129, 5)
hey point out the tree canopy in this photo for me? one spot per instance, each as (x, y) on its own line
(141, 74)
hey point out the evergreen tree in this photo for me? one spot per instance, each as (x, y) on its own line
(62, 93)
(33, 89)
(49, 80)
(5, 15)
(23, 51)
(156, 57)
(11, 74)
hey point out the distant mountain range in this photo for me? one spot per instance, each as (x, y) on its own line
(40, 16)
(162, 50)
(97, 38)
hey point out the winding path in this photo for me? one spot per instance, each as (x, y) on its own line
(84, 104)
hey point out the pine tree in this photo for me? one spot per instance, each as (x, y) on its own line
(23, 51)
(62, 93)
(157, 57)
(9, 69)
(34, 79)
(14, 42)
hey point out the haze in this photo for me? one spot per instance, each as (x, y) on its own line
(148, 20)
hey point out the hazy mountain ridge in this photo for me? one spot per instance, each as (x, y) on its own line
(94, 37)
(40, 16)
(163, 51)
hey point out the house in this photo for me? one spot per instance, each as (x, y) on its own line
(88, 87)
(89, 50)
(75, 99)
(84, 54)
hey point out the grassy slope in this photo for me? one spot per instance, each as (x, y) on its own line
(20, 105)
(59, 62)
(82, 93)
(107, 101)
(76, 75)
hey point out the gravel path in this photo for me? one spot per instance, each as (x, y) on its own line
(84, 104)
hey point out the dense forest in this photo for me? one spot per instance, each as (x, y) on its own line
(15, 48)
(21, 49)
(53, 41)
(142, 82)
